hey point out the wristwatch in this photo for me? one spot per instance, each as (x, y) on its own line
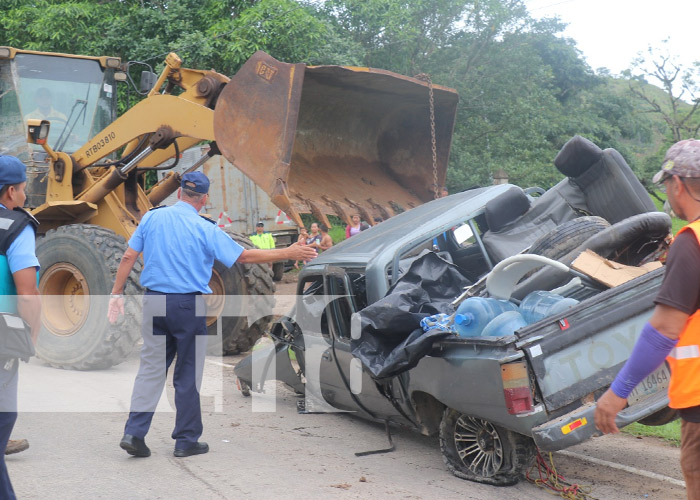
(116, 296)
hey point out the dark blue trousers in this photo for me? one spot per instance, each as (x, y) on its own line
(170, 327)
(8, 417)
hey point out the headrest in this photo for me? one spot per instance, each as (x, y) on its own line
(505, 208)
(577, 156)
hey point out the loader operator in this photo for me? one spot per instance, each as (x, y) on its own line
(18, 289)
(45, 109)
(179, 248)
(673, 332)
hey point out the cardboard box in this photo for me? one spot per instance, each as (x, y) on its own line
(608, 272)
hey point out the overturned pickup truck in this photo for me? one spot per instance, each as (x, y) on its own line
(354, 342)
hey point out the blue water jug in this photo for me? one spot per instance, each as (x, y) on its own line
(504, 324)
(540, 304)
(474, 314)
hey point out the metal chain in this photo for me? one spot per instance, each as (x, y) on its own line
(431, 100)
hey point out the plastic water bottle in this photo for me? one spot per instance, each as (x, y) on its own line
(504, 324)
(541, 304)
(475, 313)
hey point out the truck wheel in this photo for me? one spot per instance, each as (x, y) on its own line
(479, 451)
(661, 417)
(565, 237)
(78, 266)
(278, 271)
(241, 279)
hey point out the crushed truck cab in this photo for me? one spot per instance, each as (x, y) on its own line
(491, 399)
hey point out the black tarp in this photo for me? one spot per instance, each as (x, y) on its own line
(391, 339)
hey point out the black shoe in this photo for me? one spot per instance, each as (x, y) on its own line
(134, 446)
(197, 449)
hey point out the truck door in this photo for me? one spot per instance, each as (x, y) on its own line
(322, 376)
(347, 290)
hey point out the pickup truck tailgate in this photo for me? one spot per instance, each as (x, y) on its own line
(580, 351)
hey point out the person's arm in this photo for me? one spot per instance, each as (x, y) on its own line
(116, 305)
(21, 257)
(658, 337)
(347, 231)
(292, 252)
(326, 242)
(28, 299)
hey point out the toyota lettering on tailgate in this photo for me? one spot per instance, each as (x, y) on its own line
(587, 357)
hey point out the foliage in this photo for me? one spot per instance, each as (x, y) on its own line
(524, 89)
(679, 103)
(218, 34)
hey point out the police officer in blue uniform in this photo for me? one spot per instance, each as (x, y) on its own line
(179, 248)
(18, 289)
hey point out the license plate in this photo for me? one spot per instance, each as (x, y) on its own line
(657, 381)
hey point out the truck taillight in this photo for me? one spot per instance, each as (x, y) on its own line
(516, 388)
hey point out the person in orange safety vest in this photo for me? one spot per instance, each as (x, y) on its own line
(673, 331)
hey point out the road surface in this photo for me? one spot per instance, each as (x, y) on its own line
(75, 420)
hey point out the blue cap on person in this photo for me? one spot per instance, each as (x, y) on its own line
(12, 171)
(195, 181)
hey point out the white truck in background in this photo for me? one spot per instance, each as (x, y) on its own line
(236, 202)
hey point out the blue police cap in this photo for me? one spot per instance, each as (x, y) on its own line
(12, 171)
(195, 181)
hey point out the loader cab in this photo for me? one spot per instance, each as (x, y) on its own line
(77, 94)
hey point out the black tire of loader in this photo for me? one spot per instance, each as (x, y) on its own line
(278, 271)
(95, 252)
(243, 279)
(568, 236)
(518, 451)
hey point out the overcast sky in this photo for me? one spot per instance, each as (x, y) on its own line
(610, 33)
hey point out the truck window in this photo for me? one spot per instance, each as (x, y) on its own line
(311, 304)
(468, 253)
(348, 301)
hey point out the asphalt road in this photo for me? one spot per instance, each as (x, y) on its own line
(74, 421)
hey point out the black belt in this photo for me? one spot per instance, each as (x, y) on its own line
(156, 292)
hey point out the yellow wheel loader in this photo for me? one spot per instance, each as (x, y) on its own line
(325, 140)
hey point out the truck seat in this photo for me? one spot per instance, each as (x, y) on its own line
(599, 182)
(610, 188)
(524, 223)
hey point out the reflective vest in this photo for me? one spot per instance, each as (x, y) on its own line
(264, 240)
(12, 222)
(684, 359)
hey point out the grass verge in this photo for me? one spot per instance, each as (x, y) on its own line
(670, 432)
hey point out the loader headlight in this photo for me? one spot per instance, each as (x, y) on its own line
(5, 53)
(113, 62)
(37, 131)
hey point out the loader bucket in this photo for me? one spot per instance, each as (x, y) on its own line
(334, 140)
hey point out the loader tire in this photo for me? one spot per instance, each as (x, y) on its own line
(278, 271)
(78, 266)
(254, 280)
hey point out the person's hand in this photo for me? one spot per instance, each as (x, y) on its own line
(607, 408)
(302, 252)
(116, 307)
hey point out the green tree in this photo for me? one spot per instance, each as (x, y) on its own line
(678, 105)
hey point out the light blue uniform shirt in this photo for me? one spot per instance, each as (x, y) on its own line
(179, 248)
